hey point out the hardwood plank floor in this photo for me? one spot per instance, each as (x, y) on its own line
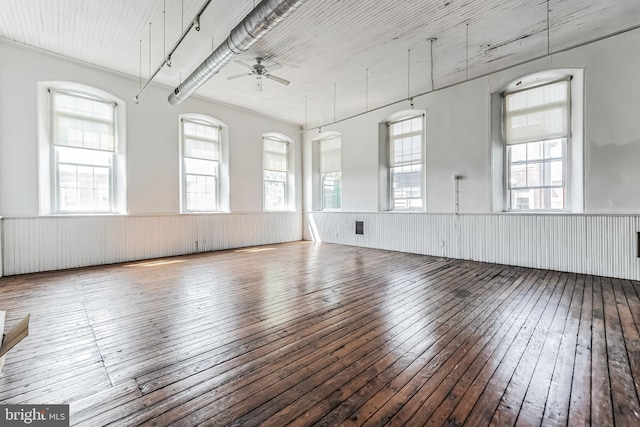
(320, 334)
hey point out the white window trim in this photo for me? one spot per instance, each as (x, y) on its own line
(317, 175)
(223, 163)
(46, 161)
(289, 185)
(574, 149)
(183, 157)
(566, 152)
(396, 118)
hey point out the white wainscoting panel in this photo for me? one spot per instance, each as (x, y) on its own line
(35, 244)
(602, 245)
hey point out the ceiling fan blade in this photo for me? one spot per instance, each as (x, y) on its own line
(278, 79)
(245, 64)
(273, 67)
(239, 75)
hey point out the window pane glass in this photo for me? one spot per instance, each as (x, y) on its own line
(529, 177)
(83, 180)
(67, 199)
(535, 150)
(274, 195)
(202, 193)
(554, 148)
(332, 191)
(275, 176)
(406, 163)
(406, 183)
(201, 154)
(554, 173)
(274, 190)
(534, 174)
(518, 176)
(540, 198)
(518, 152)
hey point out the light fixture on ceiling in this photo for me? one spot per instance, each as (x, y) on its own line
(266, 16)
(259, 69)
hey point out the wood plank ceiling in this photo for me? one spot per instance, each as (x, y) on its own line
(326, 46)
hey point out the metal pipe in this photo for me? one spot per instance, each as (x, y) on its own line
(167, 58)
(256, 24)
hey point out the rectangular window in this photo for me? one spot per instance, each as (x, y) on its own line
(331, 173)
(83, 153)
(201, 157)
(406, 160)
(275, 174)
(536, 134)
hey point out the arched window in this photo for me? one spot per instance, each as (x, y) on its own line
(81, 150)
(327, 165)
(277, 178)
(402, 178)
(202, 163)
(542, 151)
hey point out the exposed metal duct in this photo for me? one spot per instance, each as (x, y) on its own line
(256, 24)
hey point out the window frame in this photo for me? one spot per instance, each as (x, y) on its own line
(323, 175)
(51, 204)
(286, 182)
(207, 121)
(566, 149)
(390, 138)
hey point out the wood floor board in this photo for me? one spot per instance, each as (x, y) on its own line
(580, 400)
(281, 319)
(626, 407)
(412, 377)
(437, 388)
(183, 390)
(547, 350)
(308, 334)
(601, 404)
(440, 409)
(556, 411)
(310, 364)
(236, 350)
(443, 334)
(483, 395)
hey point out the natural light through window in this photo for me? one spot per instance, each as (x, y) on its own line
(536, 133)
(201, 158)
(275, 168)
(406, 162)
(84, 150)
(331, 173)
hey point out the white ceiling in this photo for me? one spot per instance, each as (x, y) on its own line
(325, 46)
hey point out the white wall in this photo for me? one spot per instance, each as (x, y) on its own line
(152, 136)
(459, 125)
(152, 171)
(458, 141)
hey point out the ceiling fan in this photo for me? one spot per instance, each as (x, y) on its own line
(261, 70)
